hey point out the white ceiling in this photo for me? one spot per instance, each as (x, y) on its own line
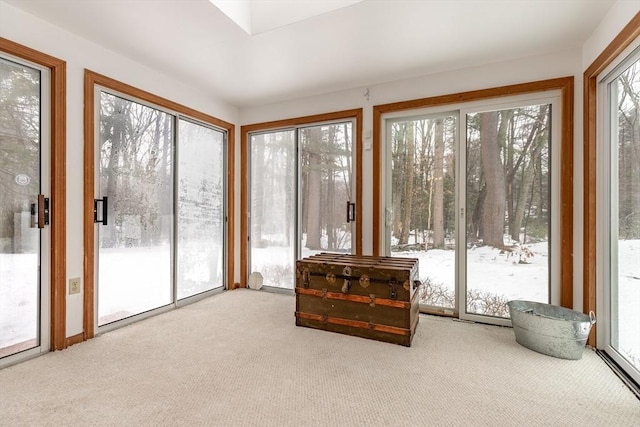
(366, 43)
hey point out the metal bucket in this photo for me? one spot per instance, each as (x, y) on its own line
(549, 329)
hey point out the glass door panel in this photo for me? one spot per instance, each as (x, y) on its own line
(507, 208)
(20, 184)
(135, 183)
(422, 188)
(200, 248)
(272, 250)
(200, 209)
(327, 211)
(625, 215)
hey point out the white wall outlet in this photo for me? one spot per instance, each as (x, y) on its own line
(74, 286)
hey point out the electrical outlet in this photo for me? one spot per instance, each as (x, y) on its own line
(74, 286)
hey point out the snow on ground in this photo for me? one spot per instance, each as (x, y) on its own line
(134, 280)
(489, 270)
(629, 299)
(19, 311)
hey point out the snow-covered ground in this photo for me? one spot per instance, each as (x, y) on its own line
(629, 300)
(141, 282)
(19, 311)
(490, 270)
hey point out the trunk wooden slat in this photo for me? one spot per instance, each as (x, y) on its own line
(364, 296)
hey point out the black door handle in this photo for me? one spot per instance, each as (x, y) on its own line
(351, 212)
(105, 206)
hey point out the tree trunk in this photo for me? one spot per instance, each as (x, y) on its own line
(257, 187)
(528, 175)
(314, 191)
(397, 182)
(494, 206)
(438, 175)
(407, 199)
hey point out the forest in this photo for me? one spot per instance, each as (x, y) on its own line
(19, 155)
(507, 179)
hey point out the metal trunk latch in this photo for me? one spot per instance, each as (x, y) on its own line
(393, 289)
(305, 277)
(346, 286)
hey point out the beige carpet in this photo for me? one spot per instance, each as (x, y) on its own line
(238, 359)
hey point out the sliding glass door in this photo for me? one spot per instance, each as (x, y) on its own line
(136, 208)
(160, 208)
(470, 192)
(24, 216)
(272, 242)
(622, 208)
(326, 203)
(301, 198)
(421, 220)
(507, 209)
(200, 208)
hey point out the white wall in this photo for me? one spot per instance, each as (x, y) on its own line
(79, 54)
(618, 16)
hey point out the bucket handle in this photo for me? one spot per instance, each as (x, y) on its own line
(592, 317)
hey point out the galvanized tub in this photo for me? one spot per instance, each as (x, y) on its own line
(549, 329)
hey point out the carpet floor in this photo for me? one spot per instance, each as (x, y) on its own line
(237, 359)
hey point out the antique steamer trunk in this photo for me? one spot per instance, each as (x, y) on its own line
(364, 296)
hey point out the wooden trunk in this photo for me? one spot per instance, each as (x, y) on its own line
(364, 296)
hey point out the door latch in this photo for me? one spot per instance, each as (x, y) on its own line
(105, 206)
(351, 211)
(40, 212)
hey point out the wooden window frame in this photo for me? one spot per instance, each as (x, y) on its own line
(590, 89)
(565, 85)
(58, 253)
(91, 79)
(355, 114)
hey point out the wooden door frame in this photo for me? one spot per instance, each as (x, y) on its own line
(355, 114)
(566, 86)
(590, 89)
(91, 79)
(58, 251)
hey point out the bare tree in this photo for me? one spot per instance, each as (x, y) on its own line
(494, 206)
(438, 176)
(407, 198)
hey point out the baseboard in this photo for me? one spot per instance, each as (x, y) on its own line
(75, 339)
